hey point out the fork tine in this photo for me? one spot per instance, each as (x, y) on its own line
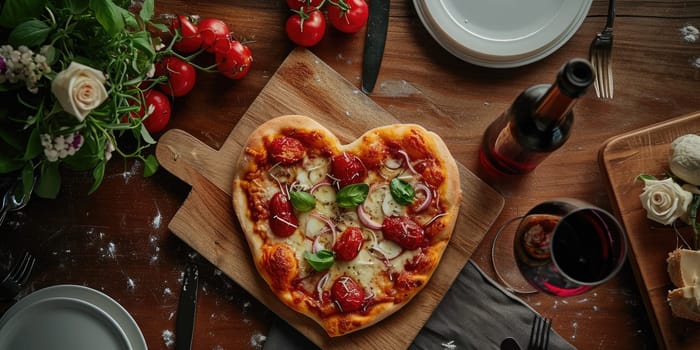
(539, 333)
(15, 268)
(542, 344)
(533, 332)
(27, 270)
(610, 75)
(603, 78)
(598, 87)
(592, 59)
(603, 71)
(20, 272)
(547, 327)
(596, 62)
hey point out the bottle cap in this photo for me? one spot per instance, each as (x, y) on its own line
(575, 77)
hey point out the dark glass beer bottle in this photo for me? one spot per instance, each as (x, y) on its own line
(537, 123)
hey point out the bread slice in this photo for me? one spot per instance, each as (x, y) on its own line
(684, 272)
(685, 302)
(684, 267)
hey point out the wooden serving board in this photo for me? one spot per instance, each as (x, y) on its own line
(305, 85)
(622, 159)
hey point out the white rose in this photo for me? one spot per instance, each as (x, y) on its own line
(79, 89)
(664, 200)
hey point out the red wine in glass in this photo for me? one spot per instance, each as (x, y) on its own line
(566, 247)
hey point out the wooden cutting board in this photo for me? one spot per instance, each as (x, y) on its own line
(622, 159)
(305, 85)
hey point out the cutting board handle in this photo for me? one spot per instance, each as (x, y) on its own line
(184, 156)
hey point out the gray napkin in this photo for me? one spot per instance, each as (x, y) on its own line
(476, 313)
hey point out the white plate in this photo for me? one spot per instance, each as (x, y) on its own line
(502, 33)
(69, 317)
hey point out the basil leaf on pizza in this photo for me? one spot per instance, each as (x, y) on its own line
(352, 195)
(402, 191)
(321, 260)
(302, 201)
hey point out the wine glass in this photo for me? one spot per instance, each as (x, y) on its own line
(562, 246)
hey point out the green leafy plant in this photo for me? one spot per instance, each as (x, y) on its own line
(43, 39)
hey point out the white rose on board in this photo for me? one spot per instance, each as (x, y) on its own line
(79, 89)
(664, 200)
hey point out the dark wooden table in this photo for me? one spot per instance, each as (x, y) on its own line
(117, 241)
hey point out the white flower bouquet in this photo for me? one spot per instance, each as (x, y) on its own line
(73, 75)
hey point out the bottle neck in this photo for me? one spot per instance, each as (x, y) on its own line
(572, 80)
(554, 105)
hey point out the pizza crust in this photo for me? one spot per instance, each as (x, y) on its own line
(418, 142)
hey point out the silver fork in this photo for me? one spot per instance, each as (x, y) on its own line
(539, 334)
(17, 276)
(600, 56)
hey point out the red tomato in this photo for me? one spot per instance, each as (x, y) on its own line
(306, 27)
(191, 40)
(348, 245)
(233, 59)
(404, 232)
(347, 169)
(347, 294)
(181, 76)
(298, 4)
(348, 16)
(159, 106)
(283, 223)
(212, 29)
(286, 150)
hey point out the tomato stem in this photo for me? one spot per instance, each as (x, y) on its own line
(303, 15)
(344, 7)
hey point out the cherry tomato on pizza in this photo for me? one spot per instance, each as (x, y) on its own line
(212, 29)
(286, 150)
(347, 294)
(306, 27)
(181, 76)
(347, 169)
(348, 16)
(190, 40)
(233, 59)
(404, 232)
(158, 105)
(348, 245)
(283, 223)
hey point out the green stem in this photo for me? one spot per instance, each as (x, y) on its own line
(692, 220)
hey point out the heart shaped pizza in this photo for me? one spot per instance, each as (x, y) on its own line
(345, 234)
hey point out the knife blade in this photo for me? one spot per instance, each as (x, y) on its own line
(377, 25)
(187, 309)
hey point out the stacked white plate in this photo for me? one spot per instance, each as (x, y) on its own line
(502, 33)
(69, 317)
